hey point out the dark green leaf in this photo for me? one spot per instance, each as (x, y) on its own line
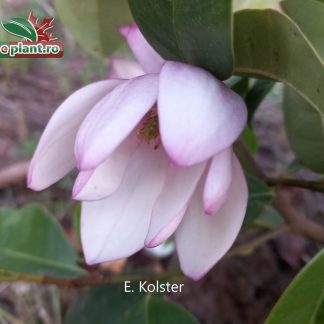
(270, 45)
(309, 16)
(256, 95)
(94, 23)
(165, 312)
(250, 140)
(20, 27)
(270, 218)
(77, 222)
(305, 130)
(304, 125)
(104, 305)
(191, 31)
(259, 197)
(32, 242)
(302, 302)
(238, 84)
(112, 305)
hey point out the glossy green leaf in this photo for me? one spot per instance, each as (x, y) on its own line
(112, 305)
(305, 130)
(304, 125)
(20, 27)
(270, 45)
(260, 196)
(255, 96)
(309, 16)
(302, 302)
(94, 24)
(32, 242)
(191, 31)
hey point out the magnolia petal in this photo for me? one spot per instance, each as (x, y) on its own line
(172, 202)
(124, 30)
(150, 60)
(105, 179)
(201, 241)
(199, 115)
(122, 68)
(218, 181)
(116, 227)
(113, 119)
(54, 156)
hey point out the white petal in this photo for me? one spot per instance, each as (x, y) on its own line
(172, 202)
(201, 241)
(122, 68)
(218, 181)
(106, 178)
(199, 116)
(116, 227)
(113, 119)
(54, 156)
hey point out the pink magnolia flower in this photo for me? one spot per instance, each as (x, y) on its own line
(155, 159)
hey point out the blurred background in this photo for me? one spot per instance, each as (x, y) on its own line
(242, 288)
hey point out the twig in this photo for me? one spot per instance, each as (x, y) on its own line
(13, 174)
(298, 222)
(299, 183)
(248, 248)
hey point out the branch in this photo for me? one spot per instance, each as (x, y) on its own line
(248, 248)
(288, 182)
(298, 222)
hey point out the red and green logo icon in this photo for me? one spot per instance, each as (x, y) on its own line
(36, 38)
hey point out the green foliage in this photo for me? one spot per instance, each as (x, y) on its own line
(309, 16)
(190, 31)
(259, 197)
(20, 27)
(303, 301)
(76, 222)
(32, 242)
(94, 24)
(111, 305)
(270, 218)
(255, 96)
(166, 312)
(305, 130)
(270, 45)
(293, 59)
(305, 125)
(250, 140)
(238, 84)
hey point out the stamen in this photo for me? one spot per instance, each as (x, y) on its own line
(149, 129)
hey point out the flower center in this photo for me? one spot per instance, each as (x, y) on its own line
(149, 129)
